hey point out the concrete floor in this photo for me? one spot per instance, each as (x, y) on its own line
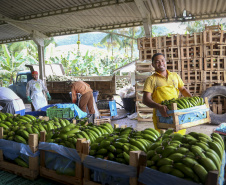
(204, 128)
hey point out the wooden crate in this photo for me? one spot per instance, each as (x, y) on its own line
(101, 121)
(147, 43)
(144, 66)
(174, 65)
(139, 96)
(141, 116)
(214, 63)
(53, 175)
(222, 50)
(192, 52)
(173, 53)
(176, 126)
(146, 54)
(212, 50)
(191, 40)
(141, 77)
(192, 76)
(212, 178)
(214, 76)
(134, 160)
(195, 89)
(213, 27)
(141, 108)
(191, 64)
(29, 173)
(169, 41)
(139, 86)
(214, 37)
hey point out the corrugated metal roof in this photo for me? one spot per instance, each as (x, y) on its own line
(62, 17)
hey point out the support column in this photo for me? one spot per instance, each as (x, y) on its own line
(40, 43)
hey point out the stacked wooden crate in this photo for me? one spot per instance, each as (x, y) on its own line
(214, 58)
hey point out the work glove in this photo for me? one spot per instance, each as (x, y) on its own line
(48, 96)
(29, 99)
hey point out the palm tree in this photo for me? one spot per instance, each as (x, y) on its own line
(111, 39)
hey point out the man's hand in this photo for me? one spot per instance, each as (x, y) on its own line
(162, 109)
(29, 99)
(48, 96)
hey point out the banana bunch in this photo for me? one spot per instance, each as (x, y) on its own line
(184, 103)
(190, 156)
(117, 146)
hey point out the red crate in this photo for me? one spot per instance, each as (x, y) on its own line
(190, 40)
(211, 64)
(174, 65)
(191, 52)
(192, 76)
(147, 43)
(169, 41)
(214, 76)
(191, 64)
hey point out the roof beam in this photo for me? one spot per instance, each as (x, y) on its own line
(22, 26)
(145, 16)
(100, 4)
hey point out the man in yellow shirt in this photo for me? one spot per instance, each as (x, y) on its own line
(162, 85)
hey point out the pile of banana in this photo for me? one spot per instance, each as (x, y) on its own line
(117, 146)
(190, 156)
(184, 102)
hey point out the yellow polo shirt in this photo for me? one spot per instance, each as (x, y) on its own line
(157, 80)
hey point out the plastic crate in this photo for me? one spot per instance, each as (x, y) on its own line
(59, 112)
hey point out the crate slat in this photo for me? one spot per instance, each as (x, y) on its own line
(195, 89)
(191, 52)
(192, 76)
(214, 76)
(169, 41)
(191, 40)
(174, 65)
(191, 64)
(213, 64)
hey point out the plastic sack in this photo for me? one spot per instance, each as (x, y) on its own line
(97, 113)
(77, 111)
(221, 128)
(222, 170)
(127, 92)
(113, 109)
(60, 164)
(192, 114)
(154, 177)
(69, 153)
(109, 172)
(12, 150)
(63, 162)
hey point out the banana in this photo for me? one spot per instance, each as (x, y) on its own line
(177, 173)
(214, 159)
(138, 144)
(148, 132)
(168, 151)
(148, 137)
(216, 147)
(166, 168)
(207, 163)
(197, 151)
(155, 131)
(182, 150)
(150, 163)
(216, 139)
(202, 145)
(150, 154)
(176, 157)
(112, 148)
(102, 151)
(156, 157)
(194, 134)
(177, 136)
(155, 145)
(186, 170)
(201, 172)
(159, 149)
(164, 161)
(218, 136)
(189, 162)
(204, 135)
(126, 157)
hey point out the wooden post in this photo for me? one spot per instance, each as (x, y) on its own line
(116, 126)
(134, 161)
(212, 178)
(175, 117)
(33, 144)
(79, 167)
(1, 137)
(142, 163)
(42, 153)
(86, 152)
(207, 105)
